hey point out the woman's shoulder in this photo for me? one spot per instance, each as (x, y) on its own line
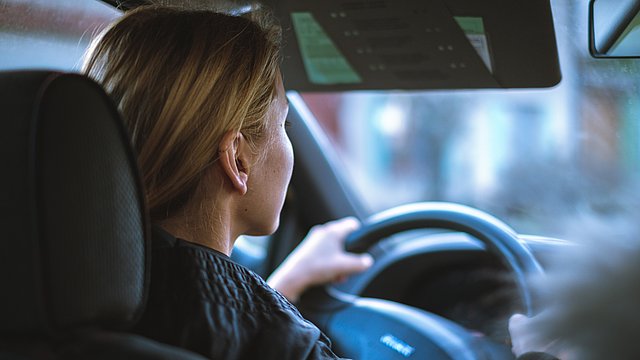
(201, 300)
(212, 276)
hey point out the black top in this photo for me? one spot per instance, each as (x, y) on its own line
(201, 300)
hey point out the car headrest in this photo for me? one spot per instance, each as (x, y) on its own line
(73, 227)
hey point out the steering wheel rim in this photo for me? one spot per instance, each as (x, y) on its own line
(498, 237)
(327, 305)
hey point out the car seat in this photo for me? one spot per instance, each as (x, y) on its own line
(74, 253)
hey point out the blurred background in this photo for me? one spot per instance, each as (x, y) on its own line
(534, 158)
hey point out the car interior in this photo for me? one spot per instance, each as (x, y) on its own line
(450, 267)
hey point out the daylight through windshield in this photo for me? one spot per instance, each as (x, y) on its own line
(532, 157)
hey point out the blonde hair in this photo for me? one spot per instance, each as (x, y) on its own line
(182, 79)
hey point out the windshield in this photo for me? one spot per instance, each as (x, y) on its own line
(531, 157)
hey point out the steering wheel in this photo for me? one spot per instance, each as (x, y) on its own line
(371, 329)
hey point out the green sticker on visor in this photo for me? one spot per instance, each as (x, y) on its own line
(471, 25)
(324, 63)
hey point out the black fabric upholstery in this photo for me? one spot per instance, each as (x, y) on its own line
(111, 346)
(94, 345)
(73, 245)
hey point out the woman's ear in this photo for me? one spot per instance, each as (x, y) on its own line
(234, 159)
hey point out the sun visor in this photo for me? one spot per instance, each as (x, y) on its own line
(335, 45)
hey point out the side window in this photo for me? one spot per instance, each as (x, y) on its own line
(45, 34)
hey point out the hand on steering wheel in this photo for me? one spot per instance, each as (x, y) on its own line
(378, 329)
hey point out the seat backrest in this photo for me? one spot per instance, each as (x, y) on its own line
(74, 248)
(74, 230)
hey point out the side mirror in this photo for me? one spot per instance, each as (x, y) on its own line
(614, 28)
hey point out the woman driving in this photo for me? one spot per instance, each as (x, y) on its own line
(202, 96)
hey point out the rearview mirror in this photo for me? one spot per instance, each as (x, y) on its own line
(614, 28)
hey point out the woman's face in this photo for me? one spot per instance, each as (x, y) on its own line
(270, 175)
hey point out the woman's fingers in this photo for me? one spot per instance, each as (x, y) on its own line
(349, 264)
(319, 259)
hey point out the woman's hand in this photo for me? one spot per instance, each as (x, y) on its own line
(523, 337)
(319, 259)
(526, 337)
